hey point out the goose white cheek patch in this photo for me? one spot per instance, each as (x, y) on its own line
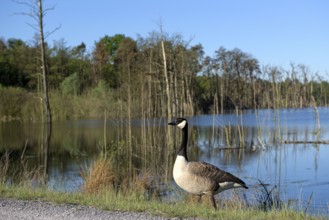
(182, 124)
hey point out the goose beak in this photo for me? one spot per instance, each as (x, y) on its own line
(172, 123)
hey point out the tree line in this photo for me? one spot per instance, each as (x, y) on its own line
(159, 75)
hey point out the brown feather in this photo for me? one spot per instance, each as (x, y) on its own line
(214, 173)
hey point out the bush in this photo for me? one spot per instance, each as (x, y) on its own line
(101, 89)
(11, 102)
(71, 85)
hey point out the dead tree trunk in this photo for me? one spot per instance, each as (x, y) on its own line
(169, 114)
(43, 64)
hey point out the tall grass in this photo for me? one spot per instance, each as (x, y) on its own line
(100, 177)
(106, 188)
(4, 167)
(17, 171)
(21, 105)
(144, 189)
(103, 176)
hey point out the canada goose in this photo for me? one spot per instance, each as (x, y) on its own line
(200, 178)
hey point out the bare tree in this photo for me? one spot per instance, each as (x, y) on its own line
(37, 13)
(44, 68)
(165, 72)
(167, 80)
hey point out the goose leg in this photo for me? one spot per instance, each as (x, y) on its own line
(199, 199)
(212, 198)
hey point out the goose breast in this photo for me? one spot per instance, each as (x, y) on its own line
(189, 180)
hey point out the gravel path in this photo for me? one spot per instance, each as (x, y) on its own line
(12, 209)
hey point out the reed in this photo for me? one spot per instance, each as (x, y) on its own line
(18, 171)
(230, 139)
(239, 117)
(4, 167)
(104, 176)
(317, 117)
(269, 199)
(228, 135)
(105, 189)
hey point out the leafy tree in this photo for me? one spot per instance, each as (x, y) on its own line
(80, 63)
(59, 63)
(15, 63)
(238, 70)
(103, 59)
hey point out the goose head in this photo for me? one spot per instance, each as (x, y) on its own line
(179, 122)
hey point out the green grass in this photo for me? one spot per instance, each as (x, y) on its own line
(108, 200)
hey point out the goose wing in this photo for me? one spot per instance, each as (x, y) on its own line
(214, 173)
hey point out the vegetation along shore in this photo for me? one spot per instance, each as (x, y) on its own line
(125, 77)
(158, 76)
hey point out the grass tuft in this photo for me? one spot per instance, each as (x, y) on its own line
(101, 176)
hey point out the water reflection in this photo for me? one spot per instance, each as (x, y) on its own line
(298, 170)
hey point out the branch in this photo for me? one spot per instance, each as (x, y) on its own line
(230, 148)
(54, 30)
(23, 3)
(305, 142)
(34, 14)
(33, 26)
(48, 9)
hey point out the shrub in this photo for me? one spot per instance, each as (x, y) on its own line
(71, 85)
(11, 102)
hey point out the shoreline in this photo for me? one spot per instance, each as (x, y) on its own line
(12, 209)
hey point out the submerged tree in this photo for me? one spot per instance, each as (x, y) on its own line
(44, 67)
(37, 13)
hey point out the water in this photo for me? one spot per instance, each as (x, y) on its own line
(297, 170)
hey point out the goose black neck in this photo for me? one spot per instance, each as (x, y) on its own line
(182, 150)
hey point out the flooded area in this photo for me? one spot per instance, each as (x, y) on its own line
(265, 146)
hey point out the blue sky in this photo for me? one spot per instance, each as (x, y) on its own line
(275, 32)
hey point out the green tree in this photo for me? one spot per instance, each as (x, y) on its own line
(238, 71)
(80, 63)
(103, 59)
(14, 63)
(59, 61)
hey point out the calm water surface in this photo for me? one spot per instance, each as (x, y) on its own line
(297, 170)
